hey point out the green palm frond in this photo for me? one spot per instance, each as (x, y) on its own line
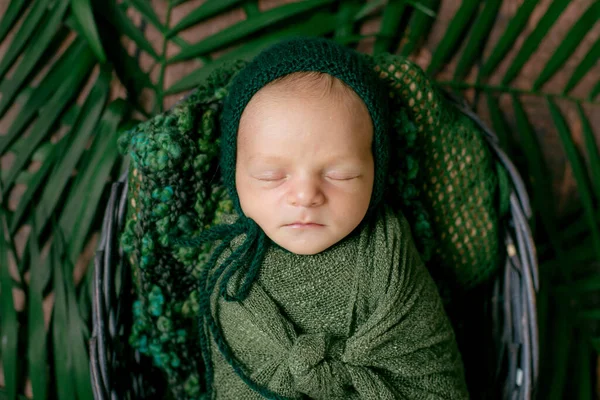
(9, 326)
(60, 116)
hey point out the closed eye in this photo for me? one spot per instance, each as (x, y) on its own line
(269, 178)
(342, 178)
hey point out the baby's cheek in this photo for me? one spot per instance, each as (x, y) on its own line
(245, 195)
(252, 200)
(355, 189)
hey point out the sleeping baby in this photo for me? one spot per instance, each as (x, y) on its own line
(315, 288)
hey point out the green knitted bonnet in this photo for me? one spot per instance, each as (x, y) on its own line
(286, 57)
(306, 55)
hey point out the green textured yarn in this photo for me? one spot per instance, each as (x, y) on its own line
(176, 190)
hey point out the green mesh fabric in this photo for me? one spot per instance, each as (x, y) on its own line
(441, 176)
(457, 180)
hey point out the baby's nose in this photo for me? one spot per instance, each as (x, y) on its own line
(305, 193)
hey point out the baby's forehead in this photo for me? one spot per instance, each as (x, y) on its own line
(300, 98)
(315, 83)
(304, 85)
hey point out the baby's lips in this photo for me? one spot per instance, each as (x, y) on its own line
(301, 225)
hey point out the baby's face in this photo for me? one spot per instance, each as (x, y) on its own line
(305, 158)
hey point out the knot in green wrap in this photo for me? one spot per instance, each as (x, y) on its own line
(315, 365)
(286, 57)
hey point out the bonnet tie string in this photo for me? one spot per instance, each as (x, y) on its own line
(247, 259)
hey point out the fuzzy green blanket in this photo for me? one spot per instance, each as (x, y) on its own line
(361, 320)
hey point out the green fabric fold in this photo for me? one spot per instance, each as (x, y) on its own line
(361, 320)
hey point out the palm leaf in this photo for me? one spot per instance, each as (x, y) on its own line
(420, 23)
(499, 124)
(15, 8)
(9, 326)
(91, 182)
(125, 66)
(148, 13)
(584, 371)
(534, 39)
(248, 27)
(318, 24)
(205, 11)
(477, 37)
(580, 173)
(52, 110)
(82, 10)
(65, 301)
(453, 35)
(368, 9)
(542, 192)
(514, 28)
(119, 20)
(569, 44)
(73, 149)
(345, 15)
(37, 353)
(583, 68)
(562, 339)
(34, 20)
(32, 55)
(592, 149)
(595, 91)
(390, 26)
(63, 359)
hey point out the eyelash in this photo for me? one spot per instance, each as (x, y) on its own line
(343, 179)
(269, 180)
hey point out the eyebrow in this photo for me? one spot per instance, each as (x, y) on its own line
(271, 158)
(264, 157)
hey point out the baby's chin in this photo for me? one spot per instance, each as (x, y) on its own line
(304, 246)
(307, 241)
(302, 250)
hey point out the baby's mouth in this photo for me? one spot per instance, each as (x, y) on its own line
(301, 225)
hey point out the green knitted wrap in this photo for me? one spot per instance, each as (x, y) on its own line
(176, 190)
(373, 327)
